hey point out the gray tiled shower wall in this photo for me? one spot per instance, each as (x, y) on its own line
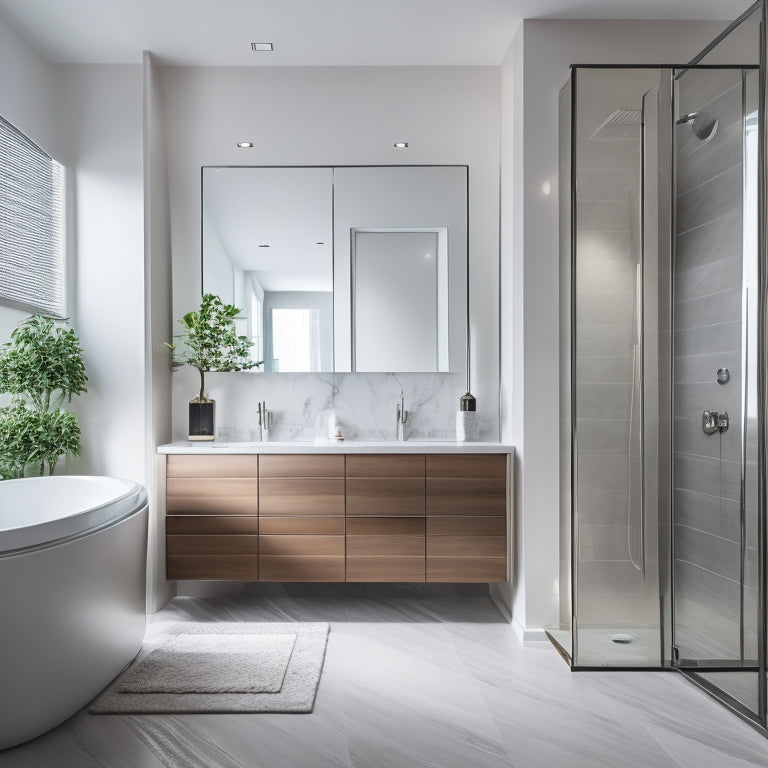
(708, 336)
(611, 590)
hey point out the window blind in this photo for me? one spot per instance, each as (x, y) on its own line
(31, 225)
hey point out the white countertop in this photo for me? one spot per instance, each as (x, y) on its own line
(341, 446)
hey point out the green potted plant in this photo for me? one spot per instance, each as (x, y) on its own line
(41, 367)
(210, 343)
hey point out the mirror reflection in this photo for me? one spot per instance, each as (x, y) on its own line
(341, 269)
(267, 248)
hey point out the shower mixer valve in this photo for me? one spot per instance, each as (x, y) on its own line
(712, 421)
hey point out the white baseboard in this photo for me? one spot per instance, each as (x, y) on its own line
(500, 604)
(529, 635)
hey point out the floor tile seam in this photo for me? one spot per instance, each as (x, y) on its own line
(70, 732)
(166, 732)
(584, 756)
(722, 744)
(641, 711)
(505, 758)
(650, 735)
(406, 705)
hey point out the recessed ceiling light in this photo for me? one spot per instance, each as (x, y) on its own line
(262, 47)
(401, 144)
(245, 144)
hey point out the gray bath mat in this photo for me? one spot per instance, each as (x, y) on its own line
(224, 667)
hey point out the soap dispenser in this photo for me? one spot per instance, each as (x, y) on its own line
(466, 419)
(328, 427)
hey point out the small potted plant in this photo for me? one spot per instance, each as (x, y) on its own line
(41, 367)
(210, 343)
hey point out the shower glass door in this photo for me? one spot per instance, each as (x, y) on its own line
(715, 301)
(615, 371)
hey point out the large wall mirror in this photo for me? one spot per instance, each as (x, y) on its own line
(341, 268)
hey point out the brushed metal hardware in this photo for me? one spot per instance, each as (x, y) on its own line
(723, 375)
(712, 421)
(402, 418)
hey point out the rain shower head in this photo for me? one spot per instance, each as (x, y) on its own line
(703, 125)
(619, 125)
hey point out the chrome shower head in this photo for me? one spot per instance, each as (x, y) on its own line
(703, 125)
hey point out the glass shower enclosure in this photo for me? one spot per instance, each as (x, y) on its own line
(662, 402)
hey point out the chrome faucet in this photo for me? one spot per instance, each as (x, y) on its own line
(265, 421)
(402, 418)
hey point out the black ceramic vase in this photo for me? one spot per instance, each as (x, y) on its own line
(201, 419)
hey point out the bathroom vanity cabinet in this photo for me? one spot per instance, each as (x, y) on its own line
(212, 517)
(301, 514)
(385, 518)
(332, 517)
(466, 508)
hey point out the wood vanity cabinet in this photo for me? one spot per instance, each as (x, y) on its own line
(212, 519)
(385, 517)
(337, 517)
(466, 506)
(301, 518)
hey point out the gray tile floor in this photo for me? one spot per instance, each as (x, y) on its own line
(417, 678)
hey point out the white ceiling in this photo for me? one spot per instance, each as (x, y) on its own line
(253, 213)
(311, 32)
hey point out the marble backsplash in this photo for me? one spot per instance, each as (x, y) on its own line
(365, 404)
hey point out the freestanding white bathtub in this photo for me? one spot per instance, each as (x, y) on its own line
(72, 595)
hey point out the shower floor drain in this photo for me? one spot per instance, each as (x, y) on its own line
(621, 638)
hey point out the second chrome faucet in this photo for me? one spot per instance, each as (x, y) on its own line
(402, 418)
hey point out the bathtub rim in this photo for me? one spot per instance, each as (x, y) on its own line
(49, 533)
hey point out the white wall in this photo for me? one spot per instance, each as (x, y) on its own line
(529, 263)
(89, 118)
(157, 270)
(26, 101)
(338, 116)
(100, 118)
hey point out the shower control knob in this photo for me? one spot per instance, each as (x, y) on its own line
(723, 375)
(712, 421)
(709, 422)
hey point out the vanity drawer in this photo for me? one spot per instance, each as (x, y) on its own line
(301, 466)
(320, 526)
(467, 549)
(467, 485)
(281, 568)
(372, 528)
(466, 537)
(239, 465)
(466, 569)
(301, 546)
(491, 466)
(466, 496)
(385, 549)
(211, 524)
(302, 496)
(398, 497)
(213, 567)
(395, 569)
(211, 496)
(384, 465)
(217, 544)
